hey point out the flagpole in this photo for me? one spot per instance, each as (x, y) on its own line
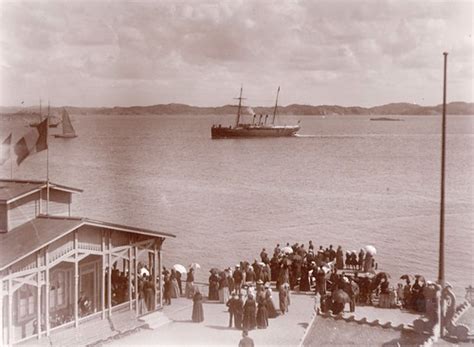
(47, 163)
(441, 277)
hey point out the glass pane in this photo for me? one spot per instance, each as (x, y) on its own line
(52, 296)
(22, 312)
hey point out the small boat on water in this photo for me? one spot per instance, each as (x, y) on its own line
(254, 129)
(68, 130)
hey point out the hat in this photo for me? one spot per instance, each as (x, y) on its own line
(238, 265)
(259, 282)
(267, 285)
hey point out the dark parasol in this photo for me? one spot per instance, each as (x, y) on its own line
(341, 297)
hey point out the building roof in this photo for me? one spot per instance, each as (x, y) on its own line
(11, 190)
(43, 230)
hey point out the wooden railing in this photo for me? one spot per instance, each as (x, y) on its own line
(60, 251)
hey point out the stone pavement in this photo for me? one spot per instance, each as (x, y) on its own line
(285, 330)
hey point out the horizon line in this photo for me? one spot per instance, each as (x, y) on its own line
(184, 104)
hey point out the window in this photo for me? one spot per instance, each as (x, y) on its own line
(26, 299)
(60, 290)
(57, 290)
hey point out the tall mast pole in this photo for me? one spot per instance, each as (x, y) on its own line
(41, 116)
(240, 106)
(276, 105)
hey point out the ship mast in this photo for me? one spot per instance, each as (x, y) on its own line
(240, 106)
(276, 104)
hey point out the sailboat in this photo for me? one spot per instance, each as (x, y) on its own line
(68, 130)
(51, 123)
(254, 129)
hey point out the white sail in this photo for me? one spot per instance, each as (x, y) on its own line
(68, 130)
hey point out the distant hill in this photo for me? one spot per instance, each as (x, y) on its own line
(454, 108)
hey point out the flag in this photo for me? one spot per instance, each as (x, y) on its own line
(36, 140)
(5, 150)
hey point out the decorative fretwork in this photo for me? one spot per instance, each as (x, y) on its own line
(32, 280)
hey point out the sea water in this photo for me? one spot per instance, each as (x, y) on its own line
(346, 181)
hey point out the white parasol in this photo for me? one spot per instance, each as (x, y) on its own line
(144, 271)
(195, 266)
(180, 268)
(287, 250)
(370, 250)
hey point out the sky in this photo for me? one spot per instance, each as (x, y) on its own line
(123, 53)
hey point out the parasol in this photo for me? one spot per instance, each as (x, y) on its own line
(287, 250)
(370, 250)
(194, 266)
(341, 297)
(180, 268)
(297, 257)
(326, 268)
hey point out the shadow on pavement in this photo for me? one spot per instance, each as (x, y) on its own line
(182, 321)
(219, 327)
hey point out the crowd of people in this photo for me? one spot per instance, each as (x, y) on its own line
(246, 290)
(336, 277)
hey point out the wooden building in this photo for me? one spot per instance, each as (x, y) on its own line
(57, 270)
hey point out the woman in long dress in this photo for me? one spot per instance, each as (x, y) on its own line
(167, 290)
(271, 311)
(250, 308)
(283, 298)
(149, 294)
(174, 285)
(304, 280)
(213, 287)
(198, 312)
(223, 289)
(262, 316)
(189, 289)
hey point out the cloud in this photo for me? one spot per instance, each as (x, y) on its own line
(196, 52)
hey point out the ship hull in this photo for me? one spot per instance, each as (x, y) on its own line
(218, 132)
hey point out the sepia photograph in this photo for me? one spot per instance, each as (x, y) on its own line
(236, 173)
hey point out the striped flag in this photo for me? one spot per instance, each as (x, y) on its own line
(36, 140)
(5, 150)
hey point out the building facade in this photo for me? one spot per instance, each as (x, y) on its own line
(57, 270)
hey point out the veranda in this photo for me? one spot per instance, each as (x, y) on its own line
(75, 269)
